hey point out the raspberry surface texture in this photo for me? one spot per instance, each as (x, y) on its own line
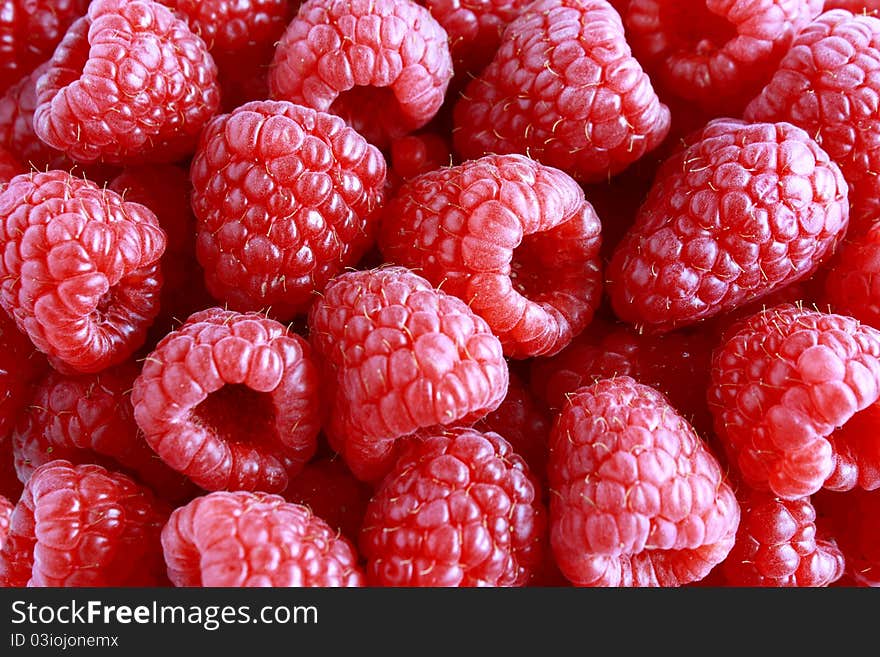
(741, 211)
(128, 83)
(84, 526)
(283, 196)
(231, 401)
(854, 519)
(382, 65)
(399, 355)
(459, 508)
(514, 239)
(636, 499)
(564, 89)
(245, 539)
(794, 396)
(716, 54)
(80, 268)
(852, 286)
(20, 367)
(824, 85)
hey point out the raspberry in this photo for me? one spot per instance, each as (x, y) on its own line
(822, 85)
(564, 89)
(777, 545)
(783, 385)
(255, 539)
(282, 195)
(459, 508)
(399, 356)
(741, 211)
(523, 423)
(29, 32)
(413, 155)
(870, 7)
(20, 366)
(230, 400)
(854, 518)
(513, 238)
(5, 519)
(89, 419)
(84, 526)
(10, 167)
(716, 54)
(638, 500)
(852, 286)
(128, 83)
(676, 364)
(383, 65)
(329, 489)
(80, 268)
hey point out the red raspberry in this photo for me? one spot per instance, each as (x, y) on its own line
(20, 366)
(128, 83)
(282, 195)
(459, 508)
(330, 490)
(777, 545)
(714, 53)
(822, 85)
(5, 519)
(783, 385)
(166, 190)
(29, 32)
(523, 423)
(399, 356)
(89, 419)
(513, 238)
(637, 498)
(676, 364)
(741, 211)
(84, 526)
(10, 167)
(80, 268)
(563, 89)
(854, 519)
(230, 400)
(255, 539)
(382, 65)
(852, 286)
(413, 155)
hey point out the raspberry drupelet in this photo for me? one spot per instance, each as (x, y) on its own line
(458, 509)
(231, 401)
(794, 396)
(514, 239)
(129, 83)
(564, 89)
(283, 196)
(382, 65)
(80, 273)
(637, 499)
(246, 539)
(84, 526)
(742, 210)
(399, 355)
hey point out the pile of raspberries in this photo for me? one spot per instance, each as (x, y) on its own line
(440, 293)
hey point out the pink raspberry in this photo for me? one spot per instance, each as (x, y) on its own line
(822, 85)
(778, 544)
(716, 54)
(413, 155)
(129, 83)
(231, 401)
(740, 212)
(89, 418)
(636, 497)
(29, 32)
(564, 89)
(870, 7)
(459, 508)
(513, 238)
(283, 196)
(255, 540)
(399, 355)
(382, 65)
(794, 395)
(84, 526)
(80, 272)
